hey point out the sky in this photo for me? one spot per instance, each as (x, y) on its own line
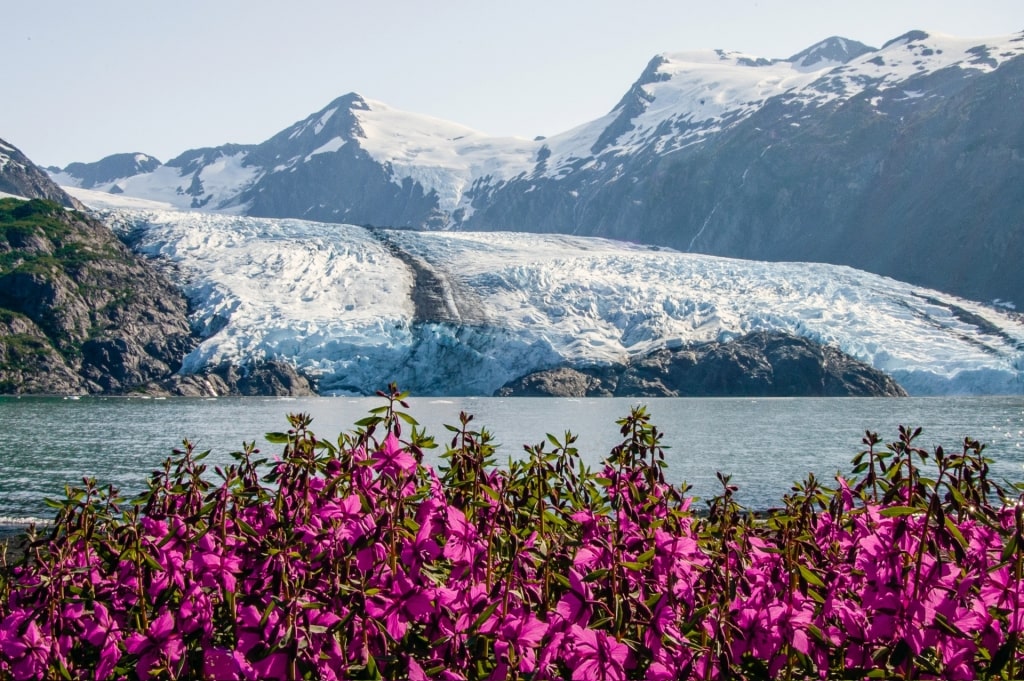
(89, 79)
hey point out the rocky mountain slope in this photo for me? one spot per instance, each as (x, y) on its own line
(79, 312)
(903, 160)
(21, 177)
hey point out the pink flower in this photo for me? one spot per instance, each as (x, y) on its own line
(254, 657)
(29, 650)
(160, 646)
(103, 632)
(461, 545)
(521, 634)
(598, 656)
(392, 459)
(424, 547)
(575, 604)
(220, 664)
(405, 602)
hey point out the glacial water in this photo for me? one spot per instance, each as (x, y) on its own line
(765, 444)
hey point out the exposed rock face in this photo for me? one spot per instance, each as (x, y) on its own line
(269, 378)
(758, 364)
(79, 312)
(21, 177)
(112, 168)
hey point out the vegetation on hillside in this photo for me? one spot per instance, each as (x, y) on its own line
(78, 311)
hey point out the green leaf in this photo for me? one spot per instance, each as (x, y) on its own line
(371, 668)
(899, 511)
(266, 612)
(482, 617)
(817, 634)
(277, 438)
(955, 532)
(1001, 657)
(563, 580)
(810, 576)
(1010, 548)
(958, 497)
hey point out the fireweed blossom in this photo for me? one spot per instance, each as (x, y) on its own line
(161, 646)
(103, 631)
(25, 646)
(355, 560)
(597, 656)
(461, 545)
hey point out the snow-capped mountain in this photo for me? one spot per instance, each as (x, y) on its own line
(109, 170)
(904, 160)
(344, 303)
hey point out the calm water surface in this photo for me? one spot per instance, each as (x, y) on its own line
(766, 444)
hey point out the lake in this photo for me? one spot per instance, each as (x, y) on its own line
(766, 444)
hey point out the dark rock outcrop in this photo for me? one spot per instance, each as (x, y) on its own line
(758, 364)
(21, 177)
(267, 378)
(598, 381)
(79, 312)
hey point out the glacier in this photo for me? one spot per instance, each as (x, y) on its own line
(339, 302)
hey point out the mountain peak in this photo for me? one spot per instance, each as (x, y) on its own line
(350, 100)
(21, 177)
(834, 49)
(908, 37)
(111, 168)
(334, 120)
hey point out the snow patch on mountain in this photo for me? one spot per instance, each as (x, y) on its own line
(691, 95)
(336, 300)
(443, 157)
(911, 55)
(5, 158)
(681, 99)
(328, 147)
(213, 184)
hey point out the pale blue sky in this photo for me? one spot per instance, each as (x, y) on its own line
(88, 79)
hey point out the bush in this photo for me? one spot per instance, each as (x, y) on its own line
(350, 559)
